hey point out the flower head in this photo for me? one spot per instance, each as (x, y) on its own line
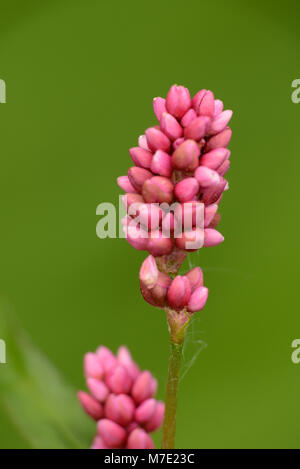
(121, 400)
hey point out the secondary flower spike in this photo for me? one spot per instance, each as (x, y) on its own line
(121, 400)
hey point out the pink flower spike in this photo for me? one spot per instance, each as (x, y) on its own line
(90, 405)
(179, 293)
(207, 105)
(220, 140)
(197, 128)
(118, 380)
(144, 387)
(158, 189)
(198, 299)
(159, 107)
(195, 277)
(186, 155)
(220, 122)
(218, 107)
(186, 189)
(139, 439)
(215, 158)
(161, 164)
(111, 433)
(149, 272)
(119, 409)
(92, 366)
(207, 177)
(212, 237)
(142, 141)
(209, 213)
(169, 125)
(178, 101)
(158, 244)
(137, 177)
(157, 418)
(145, 411)
(141, 157)
(97, 389)
(157, 140)
(188, 117)
(125, 184)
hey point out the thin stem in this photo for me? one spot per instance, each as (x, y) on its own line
(169, 427)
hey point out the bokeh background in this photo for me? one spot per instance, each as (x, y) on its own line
(80, 79)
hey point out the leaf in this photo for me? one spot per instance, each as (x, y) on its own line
(39, 402)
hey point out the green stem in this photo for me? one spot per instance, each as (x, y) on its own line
(169, 427)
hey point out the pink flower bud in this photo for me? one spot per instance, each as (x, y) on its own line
(120, 409)
(207, 105)
(145, 411)
(157, 140)
(179, 293)
(137, 177)
(160, 289)
(189, 214)
(137, 237)
(118, 380)
(177, 143)
(141, 157)
(170, 126)
(156, 419)
(92, 366)
(158, 189)
(144, 387)
(212, 193)
(215, 221)
(161, 164)
(159, 107)
(207, 177)
(178, 101)
(149, 272)
(222, 170)
(195, 277)
(196, 101)
(150, 216)
(197, 128)
(90, 405)
(125, 359)
(147, 295)
(212, 237)
(198, 299)
(209, 213)
(97, 388)
(190, 240)
(139, 439)
(158, 244)
(220, 140)
(142, 141)
(220, 122)
(186, 189)
(129, 199)
(214, 158)
(218, 107)
(98, 443)
(111, 433)
(186, 155)
(188, 117)
(106, 357)
(125, 184)
(167, 224)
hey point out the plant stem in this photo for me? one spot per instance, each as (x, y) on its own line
(169, 427)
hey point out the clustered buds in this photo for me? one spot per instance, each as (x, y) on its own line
(179, 172)
(121, 400)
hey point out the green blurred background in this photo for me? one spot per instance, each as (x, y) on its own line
(80, 79)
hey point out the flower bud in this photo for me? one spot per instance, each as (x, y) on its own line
(142, 141)
(90, 405)
(222, 170)
(214, 158)
(149, 272)
(218, 107)
(157, 140)
(207, 177)
(98, 443)
(190, 240)
(179, 293)
(188, 117)
(145, 411)
(137, 177)
(125, 359)
(118, 380)
(136, 237)
(92, 366)
(209, 213)
(158, 244)
(141, 157)
(111, 433)
(158, 189)
(220, 122)
(144, 387)
(97, 389)
(167, 224)
(120, 409)
(186, 155)
(196, 101)
(197, 128)
(189, 214)
(177, 143)
(170, 126)
(207, 105)
(160, 289)
(195, 277)
(157, 418)
(213, 193)
(220, 140)
(161, 164)
(130, 199)
(106, 357)
(212, 237)
(159, 107)
(198, 299)
(178, 101)
(125, 184)
(150, 216)
(139, 439)
(186, 189)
